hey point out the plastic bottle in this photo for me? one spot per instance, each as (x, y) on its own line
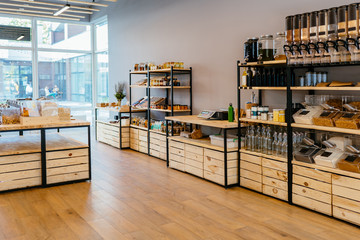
(230, 113)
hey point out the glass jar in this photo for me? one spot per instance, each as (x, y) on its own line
(332, 24)
(304, 28)
(266, 49)
(289, 29)
(296, 29)
(313, 27)
(279, 43)
(322, 26)
(352, 23)
(342, 22)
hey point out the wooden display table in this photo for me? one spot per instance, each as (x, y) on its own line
(43, 159)
(201, 158)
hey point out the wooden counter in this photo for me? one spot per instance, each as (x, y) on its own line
(72, 123)
(194, 119)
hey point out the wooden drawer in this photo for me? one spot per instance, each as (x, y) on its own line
(311, 183)
(67, 153)
(209, 161)
(346, 192)
(154, 153)
(6, 177)
(250, 166)
(143, 138)
(214, 167)
(21, 183)
(194, 149)
(346, 181)
(143, 144)
(154, 141)
(220, 178)
(195, 171)
(219, 155)
(176, 158)
(68, 169)
(143, 149)
(277, 174)
(20, 158)
(162, 138)
(312, 173)
(68, 177)
(272, 182)
(312, 204)
(346, 203)
(162, 149)
(6, 168)
(176, 151)
(143, 133)
(250, 158)
(125, 144)
(106, 127)
(154, 146)
(344, 214)
(311, 193)
(134, 146)
(193, 163)
(134, 133)
(250, 184)
(193, 156)
(273, 164)
(275, 192)
(177, 165)
(175, 144)
(162, 156)
(250, 175)
(66, 161)
(134, 141)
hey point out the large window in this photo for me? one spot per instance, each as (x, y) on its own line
(102, 62)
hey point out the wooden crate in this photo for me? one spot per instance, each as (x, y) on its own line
(194, 170)
(312, 204)
(257, 186)
(275, 192)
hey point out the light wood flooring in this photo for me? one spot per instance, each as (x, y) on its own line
(133, 196)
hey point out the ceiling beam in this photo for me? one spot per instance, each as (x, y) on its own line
(38, 15)
(43, 8)
(39, 12)
(85, 3)
(55, 5)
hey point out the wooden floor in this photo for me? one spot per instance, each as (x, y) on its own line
(133, 196)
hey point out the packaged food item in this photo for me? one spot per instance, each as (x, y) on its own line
(350, 162)
(349, 120)
(306, 154)
(326, 118)
(340, 84)
(10, 115)
(64, 114)
(332, 104)
(305, 116)
(281, 115)
(48, 109)
(328, 157)
(29, 109)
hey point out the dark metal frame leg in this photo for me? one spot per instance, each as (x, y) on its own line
(89, 145)
(43, 158)
(167, 142)
(225, 160)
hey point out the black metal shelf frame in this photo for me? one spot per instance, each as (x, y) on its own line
(171, 73)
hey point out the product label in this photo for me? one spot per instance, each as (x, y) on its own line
(350, 158)
(325, 114)
(304, 113)
(326, 154)
(304, 150)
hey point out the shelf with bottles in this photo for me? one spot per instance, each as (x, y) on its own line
(259, 154)
(264, 88)
(266, 140)
(354, 88)
(271, 78)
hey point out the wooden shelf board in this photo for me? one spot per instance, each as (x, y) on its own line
(274, 62)
(158, 132)
(327, 88)
(138, 86)
(112, 124)
(194, 119)
(166, 110)
(138, 127)
(166, 70)
(264, 88)
(113, 109)
(167, 87)
(31, 144)
(262, 121)
(327, 169)
(329, 129)
(71, 123)
(204, 142)
(264, 155)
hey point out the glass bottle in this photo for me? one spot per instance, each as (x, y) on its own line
(258, 139)
(313, 36)
(274, 142)
(247, 134)
(279, 144)
(268, 141)
(284, 146)
(279, 43)
(244, 79)
(249, 78)
(263, 140)
(252, 138)
(332, 24)
(342, 12)
(257, 77)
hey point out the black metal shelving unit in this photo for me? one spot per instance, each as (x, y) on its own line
(170, 90)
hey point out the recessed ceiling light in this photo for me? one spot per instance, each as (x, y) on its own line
(63, 9)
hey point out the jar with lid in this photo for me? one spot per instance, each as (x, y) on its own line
(304, 28)
(342, 22)
(279, 43)
(353, 26)
(247, 50)
(296, 29)
(332, 24)
(289, 30)
(266, 49)
(322, 31)
(313, 36)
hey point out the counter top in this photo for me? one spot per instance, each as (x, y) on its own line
(72, 123)
(194, 119)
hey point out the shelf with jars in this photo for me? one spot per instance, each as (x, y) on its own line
(164, 81)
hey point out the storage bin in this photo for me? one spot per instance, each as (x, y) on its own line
(218, 140)
(305, 116)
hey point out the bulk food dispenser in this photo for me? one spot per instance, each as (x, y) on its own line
(353, 32)
(313, 39)
(304, 39)
(342, 30)
(332, 35)
(288, 37)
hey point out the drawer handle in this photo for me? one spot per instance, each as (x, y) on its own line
(275, 190)
(306, 184)
(70, 154)
(304, 191)
(273, 182)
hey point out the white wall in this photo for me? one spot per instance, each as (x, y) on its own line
(206, 34)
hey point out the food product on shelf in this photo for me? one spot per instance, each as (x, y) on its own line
(349, 120)
(142, 82)
(305, 116)
(279, 43)
(10, 115)
(48, 109)
(196, 134)
(340, 84)
(328, 158)
(350, 162)
(327, 118)
(29, 109)
(266, 48)
(64, 114)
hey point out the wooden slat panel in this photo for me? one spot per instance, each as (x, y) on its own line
(346, 204)
(20, 175)
(69, 169)
(250, 158)
(143, 138)
(218, 167)
(162, 149)
(272, 182)
(177, 151)
(195, 171)
(193, 163)
(67, 161)
(277, 165)
(346, 181)
(177, 165)
(346, 192)
(313, 194)
(220, 155)
(275, 174)
(176, 158)
(143, 133)
(143, 149)
(346, 215)
(178, 145)
(311, 183)
(67, 154)
(275, 192)
(194, 149)
(154, 147)
(155, 141)
(312, 204)
(20, 158)
(22, 183)
(134, 147)
(219, 178)
(250, 166)
(154, 153)
(250, 184)
(250, 175)
(67, 177)
(195, 157)
(20, 166)
(162, 156)
(312, 173)
(209, 161)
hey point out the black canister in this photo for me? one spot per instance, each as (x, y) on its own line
(247, 50)
(254, 48)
